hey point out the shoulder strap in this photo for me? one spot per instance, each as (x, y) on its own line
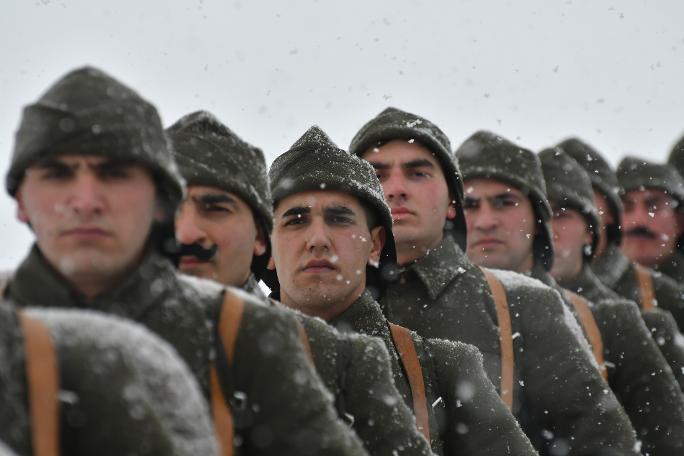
(503, 317)
(230, 317)
(590, 327)
(409, 358)
(645, 282)
(43, 386)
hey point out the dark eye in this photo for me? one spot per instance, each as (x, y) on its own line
(114, 172)
(56, 173)
(340, 220)
(470, 204)
(215, 208)
(294, 221)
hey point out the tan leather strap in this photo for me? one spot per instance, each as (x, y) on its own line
(645, 287)
(223, 419)
(503, 317)
(590, 327)
(409, 358)
(230, 317)
(43, 386)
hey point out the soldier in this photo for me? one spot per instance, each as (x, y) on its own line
(223, 226)
(636, 371)
(82, 383)
(332, 229)
(652, 195)
(529, 350)
(657, 295)
(93, 175)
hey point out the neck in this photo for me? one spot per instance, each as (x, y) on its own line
(409, 252)
(326, 308)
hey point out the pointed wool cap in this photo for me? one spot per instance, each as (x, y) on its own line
(602, 177)
(490, 156)
(88, 112)
(209, 153)
(392, 124)
(568, 186)
(637, 174)
(314, 162)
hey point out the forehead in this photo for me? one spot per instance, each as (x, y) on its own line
(484, 188)
(647, 193)
(319, 199)
(398, 152)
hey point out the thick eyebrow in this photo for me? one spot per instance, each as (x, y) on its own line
(214, 198)
(53, 163)
(296, 211)
(418, 163)
(339, 210)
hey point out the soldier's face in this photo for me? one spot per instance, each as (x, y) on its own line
(417, 193)
(91, 216)
(570, 238)
(501, 225)
(320, 246)
(650, 226)
(212, 217)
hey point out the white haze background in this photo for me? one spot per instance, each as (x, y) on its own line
(534, 71)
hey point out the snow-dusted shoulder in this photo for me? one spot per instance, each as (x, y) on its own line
(162, 379)
(512, 280)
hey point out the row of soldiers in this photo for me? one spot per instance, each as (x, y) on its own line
(482, 302)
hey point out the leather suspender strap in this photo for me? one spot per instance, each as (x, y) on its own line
(43, 386)
(409, 358)
(590, 327)
(229, 323)
(223, 419)
(645, 287)
(503, 317)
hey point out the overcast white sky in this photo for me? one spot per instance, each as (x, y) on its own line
(534, 71)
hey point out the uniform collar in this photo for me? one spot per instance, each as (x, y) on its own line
(37, 283)
(363, 316)
(440, 266)
(612, 265)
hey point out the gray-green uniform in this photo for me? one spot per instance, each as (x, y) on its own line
(635, 174)
(278, 403)
(559, 399)
(354, 368)
(465, 415)
(121, 389)
(637, 371)
(621, 275)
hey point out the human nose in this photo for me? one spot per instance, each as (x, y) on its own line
(87, 197)
(187, 228)
(485, 218)
(318, 239)
(394, 187)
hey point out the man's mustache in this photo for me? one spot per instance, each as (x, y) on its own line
(642, 231)
(196, 250)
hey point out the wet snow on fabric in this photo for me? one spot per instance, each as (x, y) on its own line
(163, 379)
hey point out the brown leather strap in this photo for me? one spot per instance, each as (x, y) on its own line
(503, 317)
(409, 358)
(230, 317)
(223, 419)
(43, 386)
(645, 287)
(590, 327)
